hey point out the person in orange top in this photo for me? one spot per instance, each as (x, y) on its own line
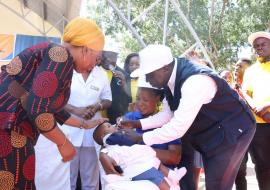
(256, 85)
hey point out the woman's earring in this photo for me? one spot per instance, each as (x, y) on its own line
(98, 60)
(83, 55)
(158, 107)
(83, 58)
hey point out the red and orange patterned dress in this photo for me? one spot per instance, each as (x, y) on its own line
(34, 88)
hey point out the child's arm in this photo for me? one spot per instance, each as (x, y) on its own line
(172, 156)
(109, 164)
(164, 169)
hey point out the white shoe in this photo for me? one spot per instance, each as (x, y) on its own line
(175, 175)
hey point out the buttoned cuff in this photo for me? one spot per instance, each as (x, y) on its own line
(147, 138)
(146, 124)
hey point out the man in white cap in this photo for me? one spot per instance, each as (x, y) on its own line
(256, 85)
(207, 114)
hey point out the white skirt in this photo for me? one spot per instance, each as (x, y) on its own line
(51, 172)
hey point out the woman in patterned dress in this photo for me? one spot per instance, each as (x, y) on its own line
(34, 88)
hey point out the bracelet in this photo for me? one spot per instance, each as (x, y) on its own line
(101, 106)
(62, 145)
(82, 124)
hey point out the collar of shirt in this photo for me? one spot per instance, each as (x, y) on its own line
(92, 75)
(171, 82)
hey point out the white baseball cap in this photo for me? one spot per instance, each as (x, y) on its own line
(152, 58)
(142, 83)
(256, 35)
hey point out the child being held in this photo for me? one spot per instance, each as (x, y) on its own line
(138, 162)
(147, 104)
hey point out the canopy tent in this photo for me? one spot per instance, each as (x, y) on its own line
(27, 22)
(52, 14)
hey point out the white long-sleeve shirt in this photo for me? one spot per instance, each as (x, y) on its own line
(196, 91)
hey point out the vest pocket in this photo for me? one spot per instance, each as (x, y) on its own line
(235, 128)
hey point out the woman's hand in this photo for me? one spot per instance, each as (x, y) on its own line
(91, 111)
(108, 164)
(93, 123)
(80, 111)
(67, 151)
(65, 148)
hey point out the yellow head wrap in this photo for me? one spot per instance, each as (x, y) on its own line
(84, 32)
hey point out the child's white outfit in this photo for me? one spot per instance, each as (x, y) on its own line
(139, 162)
(133, 160)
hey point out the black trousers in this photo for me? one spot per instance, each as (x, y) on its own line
(187, 160)
(241, 181)
(260, 155)
(221, 169)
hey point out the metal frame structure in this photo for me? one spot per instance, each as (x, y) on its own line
(127, 23)
(177, 8)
